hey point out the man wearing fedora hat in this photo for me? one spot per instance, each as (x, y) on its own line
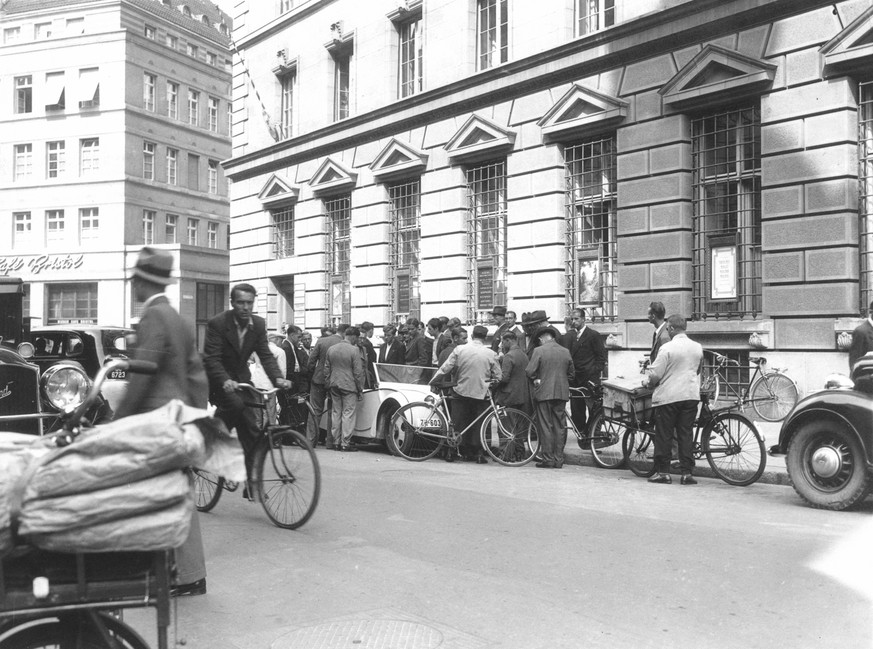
(530, 324)
(163, 338)
(499, 315)
(551, 370)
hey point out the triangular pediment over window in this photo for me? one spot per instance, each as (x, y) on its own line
(582, 110)
(716, 75)
(331, 176)
(479, 139)
(852, 49)
(396, 160)
(277, 192)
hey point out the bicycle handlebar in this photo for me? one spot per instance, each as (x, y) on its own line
(264, 391)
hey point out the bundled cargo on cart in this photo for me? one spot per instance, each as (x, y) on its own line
(626, 399)
(122, 486)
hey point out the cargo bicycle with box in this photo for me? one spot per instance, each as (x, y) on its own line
(731, 443)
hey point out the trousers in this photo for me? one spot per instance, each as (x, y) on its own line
(675, 419)
(553, 431)
(343, 407)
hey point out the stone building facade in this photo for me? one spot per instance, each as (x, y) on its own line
(115, 121)
(440, 157)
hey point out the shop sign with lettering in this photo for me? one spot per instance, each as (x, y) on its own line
(36, 264)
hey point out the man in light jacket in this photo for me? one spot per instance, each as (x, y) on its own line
(344, 377)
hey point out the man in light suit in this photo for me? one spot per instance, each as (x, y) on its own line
(163, 338)
(344, 376)
(862, 339)
(392, 350)
(231, 337)
(589, 357)
(551, 371)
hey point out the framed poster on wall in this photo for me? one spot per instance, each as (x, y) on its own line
(723, 272)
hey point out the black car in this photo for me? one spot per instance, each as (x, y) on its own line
(828, 438)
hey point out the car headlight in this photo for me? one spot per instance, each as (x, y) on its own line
(65, 386)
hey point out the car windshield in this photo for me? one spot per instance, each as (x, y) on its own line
(411, 374)
(59, 344)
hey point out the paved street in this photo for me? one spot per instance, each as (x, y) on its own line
(404, 555)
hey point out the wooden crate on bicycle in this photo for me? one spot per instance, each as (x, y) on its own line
(625, 399)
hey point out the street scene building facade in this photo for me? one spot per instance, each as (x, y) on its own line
(440, 157)
(112, 133)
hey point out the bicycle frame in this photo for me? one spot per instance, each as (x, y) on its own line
(453, 437)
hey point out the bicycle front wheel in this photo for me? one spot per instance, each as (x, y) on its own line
(417, 431)
(773, 396)
(288, 478)
(509, 436)
(734, 449)
(639, 448)
(51, 633)
(207, 490)
(606, 442)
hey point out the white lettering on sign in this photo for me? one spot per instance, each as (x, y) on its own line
(39, 263)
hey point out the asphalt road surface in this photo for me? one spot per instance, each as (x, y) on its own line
(403, 555)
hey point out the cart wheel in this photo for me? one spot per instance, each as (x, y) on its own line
(52, 633)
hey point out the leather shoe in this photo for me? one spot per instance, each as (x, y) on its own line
(349, 449)
(687, 479)
(450, 457)
(194, 588)
(544, 465)
(661, 478)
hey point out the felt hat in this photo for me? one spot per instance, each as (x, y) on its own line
(499, 310)
(154, 265)
(534, 317)
(548, 330)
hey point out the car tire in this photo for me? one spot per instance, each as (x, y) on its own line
(827, 466)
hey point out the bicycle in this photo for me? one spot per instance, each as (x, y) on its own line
(771, 392)
(286, 475)
(601, 438)
(420, 429)
(729, 440)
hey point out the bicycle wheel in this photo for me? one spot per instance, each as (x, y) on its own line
(52, 634)
(734, 449)
(288, 477)
(639, 449)
(509, 436)
(417, 431)
(207, 490)
(773, 395)
(607, 442)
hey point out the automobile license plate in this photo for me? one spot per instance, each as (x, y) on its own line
(118, 374)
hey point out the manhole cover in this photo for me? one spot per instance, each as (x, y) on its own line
(362, 634)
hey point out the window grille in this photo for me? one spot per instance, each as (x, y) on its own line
(726, 261)
(590, 252)
(486, 239)
(411, 58)
(493, 31)
(865, 188)
(594, 15)
(283, 232)
(405, 233)
(338, 211)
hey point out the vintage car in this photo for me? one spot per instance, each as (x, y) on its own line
(398, 385)
(828, 438)
(91, 346)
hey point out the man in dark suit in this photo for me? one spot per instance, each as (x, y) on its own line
(499, 315)
(862, 339)
(231, 338)
(657, 316)
(551, 371)
(392, 350)
(296, 360)
(163, 338)
(317, 389)
(417, 349)
(531, 323)
(513, 389)
(589, 357)
(366, 344)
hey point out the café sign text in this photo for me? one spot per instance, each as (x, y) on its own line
(38, 263)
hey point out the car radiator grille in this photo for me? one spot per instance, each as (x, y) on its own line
(19, 395)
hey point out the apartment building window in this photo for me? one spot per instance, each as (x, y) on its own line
(42, 30)
(23, 227)
(193, 172)
(55, 158)
(211, 300)
(590, 261)
(71, 303)
(23, 94)
(148, 227)
(193, 226)
(171, 230)
(172, 100)
(493, 33)
(54, 225)
(212, 177)
(213, 114)
(55, 91)
(339, 233)
(726, 184)
(212, 234)
(287, 81)
(74, 26)
(150, 32)
(594, 15)
(286, 5)
(404, 201)
(89, 222)
(192, 50)
(283, 232)
(89, 156)
(22, 164)
(342, 60)
(89, 87)
(172, 42)
(486, 239)
(148, 160)
(411, 63)
(149, 82)
(172, 166)
(11, 35)
(865, 180)
(193, 107)
(212, 58)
